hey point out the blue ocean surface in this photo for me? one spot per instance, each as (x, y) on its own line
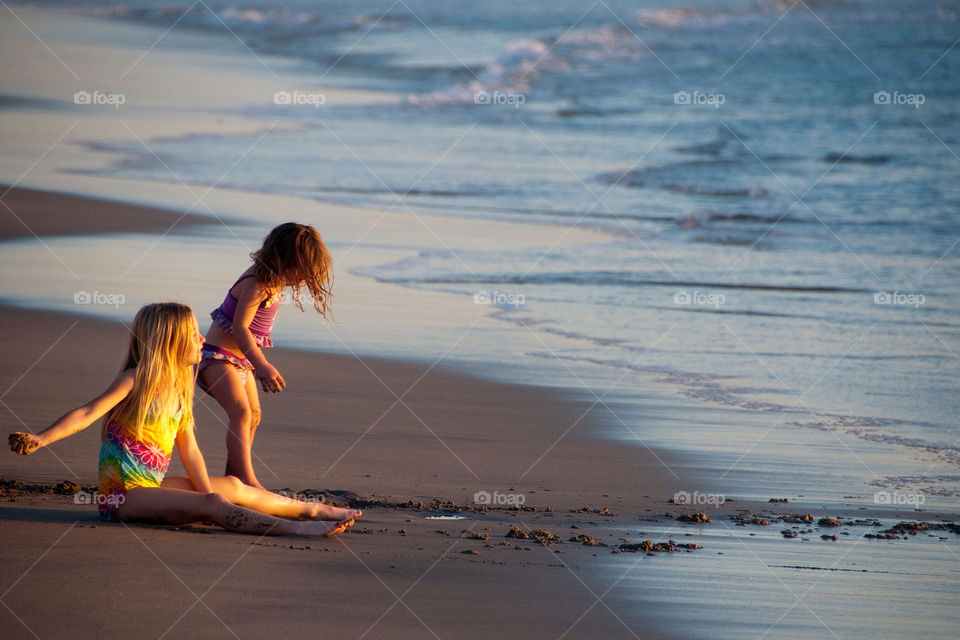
(778, 179)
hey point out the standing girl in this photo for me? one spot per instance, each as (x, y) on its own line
(292, 255)
(148, 409)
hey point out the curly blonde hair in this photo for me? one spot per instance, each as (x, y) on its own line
(294, 255)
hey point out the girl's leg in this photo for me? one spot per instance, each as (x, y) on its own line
(175, 506)
(223, 383)
(253, 401)
(265, 501)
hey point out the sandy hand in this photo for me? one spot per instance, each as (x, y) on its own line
(340, 527)
(322, 527)
(270, 379)
(23, 443)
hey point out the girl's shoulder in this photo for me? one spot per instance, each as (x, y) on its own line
(248, 284)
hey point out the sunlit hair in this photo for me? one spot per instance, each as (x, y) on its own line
(162, 347)
(293, 254)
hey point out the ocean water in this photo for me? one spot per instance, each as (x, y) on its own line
(750, 582)
(778, 179)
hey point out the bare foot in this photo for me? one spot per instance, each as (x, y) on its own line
(326, 512)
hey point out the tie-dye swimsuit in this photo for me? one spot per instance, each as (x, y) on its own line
(126, 462)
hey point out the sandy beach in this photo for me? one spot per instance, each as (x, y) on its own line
(457, 587)
(549, 437)
(340, 426)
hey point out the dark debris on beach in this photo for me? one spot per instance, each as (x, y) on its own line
(543, 536)
(798, 525)
(16, 489)
(900, 531)
(650, 547)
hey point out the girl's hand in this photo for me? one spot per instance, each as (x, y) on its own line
(23, 443)
(270, 379)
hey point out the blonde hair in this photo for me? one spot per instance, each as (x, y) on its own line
(296, 251)
(162, 343)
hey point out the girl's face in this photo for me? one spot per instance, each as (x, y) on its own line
(198, 341)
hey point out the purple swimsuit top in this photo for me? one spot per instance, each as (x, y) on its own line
(260, 325)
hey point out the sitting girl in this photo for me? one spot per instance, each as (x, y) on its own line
(148, 408)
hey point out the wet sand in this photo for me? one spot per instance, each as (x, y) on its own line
(30, 212)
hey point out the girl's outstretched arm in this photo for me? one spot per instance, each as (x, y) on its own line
(76, 420)
(192, 459)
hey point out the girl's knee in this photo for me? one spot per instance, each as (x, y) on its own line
(215, 501)
(240, 414)
(233, 483)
